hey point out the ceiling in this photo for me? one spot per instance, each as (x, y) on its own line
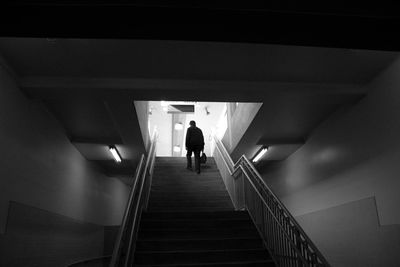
(90, 85)
(313, 23)
(146, 59)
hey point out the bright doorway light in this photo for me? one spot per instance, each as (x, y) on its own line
(177, 149)
(178, 126)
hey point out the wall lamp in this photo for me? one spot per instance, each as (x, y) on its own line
(259, 154)
(115, 154)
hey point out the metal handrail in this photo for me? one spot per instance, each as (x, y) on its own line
(132, 240)
(298, 243)
(132, 213)
(292, 219)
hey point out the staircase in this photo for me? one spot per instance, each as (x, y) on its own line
(190, 221)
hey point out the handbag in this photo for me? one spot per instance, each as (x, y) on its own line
(203, 158)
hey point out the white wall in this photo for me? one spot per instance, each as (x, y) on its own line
(163, 121)
(142, 113)
(352, 156)
(41, 168)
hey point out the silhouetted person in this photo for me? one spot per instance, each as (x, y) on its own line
(195, 144)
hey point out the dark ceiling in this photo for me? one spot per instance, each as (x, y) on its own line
(343, 24)
(144, 59)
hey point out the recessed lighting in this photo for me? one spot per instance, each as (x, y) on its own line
(177, 149)
(178, 126)
(260, 154)
(115, 154)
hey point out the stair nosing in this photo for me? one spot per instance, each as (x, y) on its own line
(201, 251)
(207, 263)
(196, 239)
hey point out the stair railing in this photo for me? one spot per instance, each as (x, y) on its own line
(284, 238)
(124, 247)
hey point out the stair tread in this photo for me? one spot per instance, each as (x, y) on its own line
(233, 263)
(200, 251)
(174, 245)
(191, 221)
(189, 238)
(197, 229)
(203, 239)
(202, 257)
(182, 205)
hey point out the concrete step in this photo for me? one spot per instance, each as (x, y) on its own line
(194, 179)
(205, 192)
(196, 234)
(189, 245)
(173, 224)
(263, 263)
(198, 216)
(189, 197)
(203, 256)
(170, 160)
(192, 203)
(191, 221)
(188, 206)
(193, 187)
(192, 209)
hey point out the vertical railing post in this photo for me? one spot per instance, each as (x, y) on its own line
(298, 245)
(239, 191)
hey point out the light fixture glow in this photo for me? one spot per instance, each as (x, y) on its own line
(164, 103)
(115, 154)
(260, 154)
(178, 126)
(177, 149)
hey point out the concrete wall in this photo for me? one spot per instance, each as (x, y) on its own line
(349, 159)
(142, 112)
(238, 122)
(163, 121)
(36, 237)
(41, 168)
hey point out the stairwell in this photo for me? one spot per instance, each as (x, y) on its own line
(190, 221)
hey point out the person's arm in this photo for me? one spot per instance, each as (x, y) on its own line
(202, 140)
(187, 139)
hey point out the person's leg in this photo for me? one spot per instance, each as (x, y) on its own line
(189, 159)
(197, 160)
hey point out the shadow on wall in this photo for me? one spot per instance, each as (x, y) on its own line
(369, 239)
(35, 237)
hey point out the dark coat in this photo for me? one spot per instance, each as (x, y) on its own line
(194, 138)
